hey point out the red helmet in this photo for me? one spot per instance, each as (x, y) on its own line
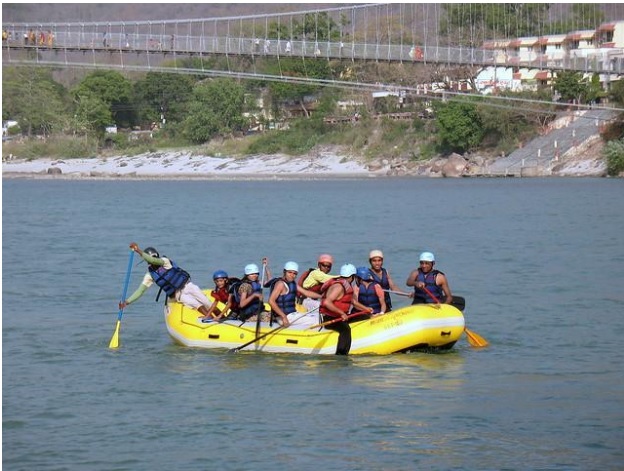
(326, 258)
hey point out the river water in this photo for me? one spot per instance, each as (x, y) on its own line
(539, 261)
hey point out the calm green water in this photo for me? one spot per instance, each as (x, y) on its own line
(540, 262)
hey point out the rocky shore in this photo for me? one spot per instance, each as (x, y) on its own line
(320, 164)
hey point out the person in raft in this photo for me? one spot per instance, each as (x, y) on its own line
(337, 303)
(170, 278)
(248, 295)
(427, 281)
(284, 292)
(221, 294)
(382, 276)
(368, 292)
(313, 278)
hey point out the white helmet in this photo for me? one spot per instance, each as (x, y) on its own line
(347, 270)
(427, 257)
(291, 266)
(375, 253)
(251, 269)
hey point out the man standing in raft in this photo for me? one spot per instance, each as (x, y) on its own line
(173, 280)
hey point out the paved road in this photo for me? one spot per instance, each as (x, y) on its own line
(540, 153)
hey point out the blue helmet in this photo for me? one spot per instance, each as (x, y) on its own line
(364, 273)
(219, 274)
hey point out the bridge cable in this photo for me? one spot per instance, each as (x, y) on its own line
(227, 42)
(279, 45)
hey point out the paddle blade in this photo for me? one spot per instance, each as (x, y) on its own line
(114, 343)
(475, 339)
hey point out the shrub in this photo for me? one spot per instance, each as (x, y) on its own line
(614, 153)
(62, 147)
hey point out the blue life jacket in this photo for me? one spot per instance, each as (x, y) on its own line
(368, 296)
(385, 284)
(251, 308)
(287, 301)
(421, 296)
(169, 280)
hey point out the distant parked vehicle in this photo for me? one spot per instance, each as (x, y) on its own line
(6, 129)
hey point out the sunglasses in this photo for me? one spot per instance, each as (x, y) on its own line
(325, 265)
(426, 263)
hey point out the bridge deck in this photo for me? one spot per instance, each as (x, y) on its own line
(242, 46)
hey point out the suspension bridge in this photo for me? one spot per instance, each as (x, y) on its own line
(393, 33)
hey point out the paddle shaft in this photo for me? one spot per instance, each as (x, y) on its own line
(277, 329)
(126, 283)
(395, 292)
(114, 343)
(338, 319)
(261, 305)
(437, 301)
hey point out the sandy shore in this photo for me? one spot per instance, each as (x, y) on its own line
(320, 165)
(183, 165)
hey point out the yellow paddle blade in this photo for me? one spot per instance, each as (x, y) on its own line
(114, 343)
(475, 339)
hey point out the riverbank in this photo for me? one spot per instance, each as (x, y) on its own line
(321, 163)
(184, 165)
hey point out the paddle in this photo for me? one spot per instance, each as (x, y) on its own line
(261, 305)
(338, 319)
(114, 343)
(396, 292)
(277, 329)
(474, 339)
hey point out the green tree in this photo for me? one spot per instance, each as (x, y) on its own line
(201, 125)
(508, 123)
(617, 92)
(594, 91)
(31, 97)
(285, 91)
(166, 94)
(468, 23)
(570, 85)
(91, 116)
(112, 88)
(614, 153)
(459, 126)
(585, 16)
(217, 108)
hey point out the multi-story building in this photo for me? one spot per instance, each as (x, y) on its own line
(534, 60)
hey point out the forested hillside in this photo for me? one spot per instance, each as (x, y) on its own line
(76, 12)
(95, 12)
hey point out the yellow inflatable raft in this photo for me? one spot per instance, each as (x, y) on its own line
(422, 326)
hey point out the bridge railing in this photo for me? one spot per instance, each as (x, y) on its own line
(231, 45)
(126, 39)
